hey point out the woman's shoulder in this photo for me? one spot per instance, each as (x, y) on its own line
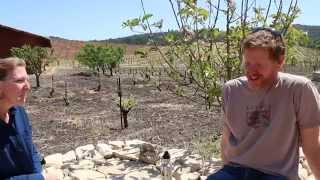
(17, 109)
(20, 116)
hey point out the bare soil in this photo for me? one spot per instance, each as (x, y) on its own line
(160, 117)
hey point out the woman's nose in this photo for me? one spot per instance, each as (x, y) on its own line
(27, 85)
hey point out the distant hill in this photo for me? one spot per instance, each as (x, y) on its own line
(141, 39)
(64, 48)
(67, 49)
(313, 31)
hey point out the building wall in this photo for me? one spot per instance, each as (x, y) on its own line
(10, 38)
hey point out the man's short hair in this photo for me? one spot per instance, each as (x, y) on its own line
(265, 38)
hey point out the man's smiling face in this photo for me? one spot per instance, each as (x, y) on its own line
(260, 69)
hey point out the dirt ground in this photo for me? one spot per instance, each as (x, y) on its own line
(160, 117)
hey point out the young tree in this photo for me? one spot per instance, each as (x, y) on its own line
(114, 59)
(88, 56)
(295, 39)
(208, 53)
(125, 105)
(98, 58)
(35, 57)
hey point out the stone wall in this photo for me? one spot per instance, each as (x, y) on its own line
(134, 160)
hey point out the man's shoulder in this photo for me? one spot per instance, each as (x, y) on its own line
(292, 79)
(237, 82)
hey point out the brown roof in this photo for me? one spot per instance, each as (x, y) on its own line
(10, 37)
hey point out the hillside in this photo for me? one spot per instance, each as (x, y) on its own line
(64, 48)
(313, 31)
(67, 49)
(141, 39)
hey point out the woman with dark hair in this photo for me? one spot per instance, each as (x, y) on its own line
(19, 158)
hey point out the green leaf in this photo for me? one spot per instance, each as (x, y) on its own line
(186, 12)
(170, 37)
(141, 53)
(158, 24)
(126, 103)
(131, 22)
(146, 17)
(203, 12)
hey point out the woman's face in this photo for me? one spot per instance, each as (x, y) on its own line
(15, 87)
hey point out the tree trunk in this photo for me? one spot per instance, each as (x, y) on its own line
(120, 102)
(228, 40)
(38, 80)
(103, 70)
(111, 72)
(125, 118)
(99, 82)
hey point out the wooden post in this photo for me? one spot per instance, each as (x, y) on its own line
(120, 101)
(52, 88)
(65, 98)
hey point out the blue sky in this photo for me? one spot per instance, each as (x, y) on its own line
(99, 19)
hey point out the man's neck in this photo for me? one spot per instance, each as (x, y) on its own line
(271, 82)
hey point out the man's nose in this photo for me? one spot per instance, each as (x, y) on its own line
(251, 67)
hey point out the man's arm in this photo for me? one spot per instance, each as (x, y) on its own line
(225, 131)
(224, 140)
(311, 147)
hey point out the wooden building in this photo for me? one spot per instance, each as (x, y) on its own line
(10, 37)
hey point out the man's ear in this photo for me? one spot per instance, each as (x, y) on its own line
(281, 61)
(2, 89)
(1, 94)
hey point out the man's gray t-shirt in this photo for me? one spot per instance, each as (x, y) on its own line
(262, 127)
